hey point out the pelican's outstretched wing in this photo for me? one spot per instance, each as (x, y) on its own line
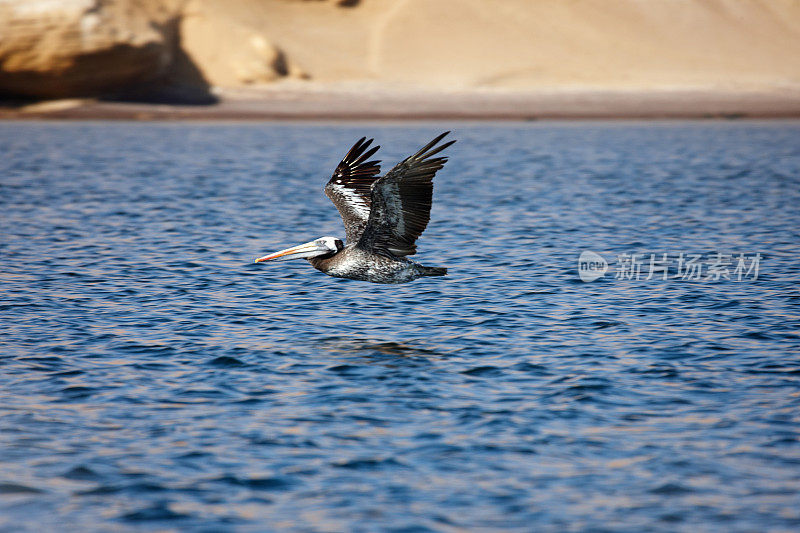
(349, 187)
(401, 203)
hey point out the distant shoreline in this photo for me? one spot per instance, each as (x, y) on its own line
(325, 103)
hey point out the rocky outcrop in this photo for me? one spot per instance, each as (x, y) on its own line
(229, 53)
(62, 48)
(169, 50)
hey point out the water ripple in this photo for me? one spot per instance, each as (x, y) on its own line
(154, 378)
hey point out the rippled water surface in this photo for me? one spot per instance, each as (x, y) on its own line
(152, 377)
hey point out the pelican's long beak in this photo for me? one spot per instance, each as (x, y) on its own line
(301, 251)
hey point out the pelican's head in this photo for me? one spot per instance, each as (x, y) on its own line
(324, 246)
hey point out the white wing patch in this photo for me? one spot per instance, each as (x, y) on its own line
(355, 202)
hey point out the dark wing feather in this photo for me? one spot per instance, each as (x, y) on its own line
(401, 203)
(349, 187)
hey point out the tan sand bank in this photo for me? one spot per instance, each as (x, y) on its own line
(287, 101)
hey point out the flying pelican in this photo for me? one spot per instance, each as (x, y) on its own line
(383, 216)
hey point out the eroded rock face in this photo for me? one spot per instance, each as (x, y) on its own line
(66, 48)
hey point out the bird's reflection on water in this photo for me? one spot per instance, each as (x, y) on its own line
(379, 351)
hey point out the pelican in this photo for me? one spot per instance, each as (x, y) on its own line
(383, 217)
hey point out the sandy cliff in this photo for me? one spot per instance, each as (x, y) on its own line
(61, 48)
(523, 44)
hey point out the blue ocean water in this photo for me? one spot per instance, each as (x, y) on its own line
(153, 378)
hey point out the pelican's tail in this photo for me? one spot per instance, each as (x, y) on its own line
(432, 271)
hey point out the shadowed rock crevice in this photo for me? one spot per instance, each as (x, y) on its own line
(87, 75)
(181, 83)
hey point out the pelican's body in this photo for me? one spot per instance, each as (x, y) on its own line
(355, 263)
(383, 217)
